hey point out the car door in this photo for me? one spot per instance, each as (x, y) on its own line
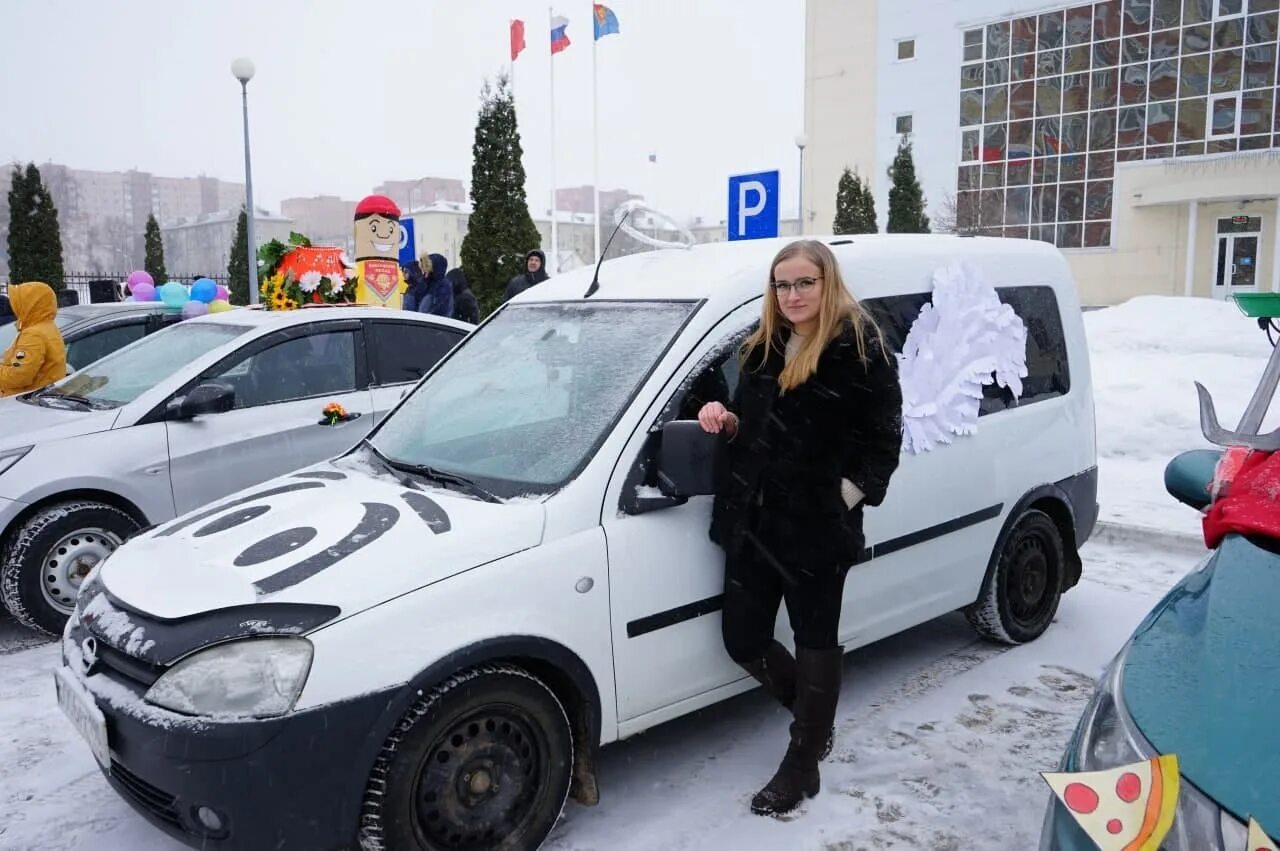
(282, 383)
(666, 577)
(400, 353)
(101, 340)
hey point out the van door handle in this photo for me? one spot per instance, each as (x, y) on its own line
(154, 471)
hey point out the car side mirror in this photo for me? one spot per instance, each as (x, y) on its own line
(686, 460)
(212, 397)
(1189, 476)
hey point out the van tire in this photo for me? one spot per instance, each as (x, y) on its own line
(476, 736)
(96, 528)
(1021, 595)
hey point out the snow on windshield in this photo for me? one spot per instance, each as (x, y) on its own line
(530, 396)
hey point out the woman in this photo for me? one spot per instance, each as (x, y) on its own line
(814, 431)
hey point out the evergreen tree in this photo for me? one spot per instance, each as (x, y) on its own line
(238, 263)
(866, 209)
(500, 231)
(848, 203)
(906, 198)
(35, 240)
(154, 262)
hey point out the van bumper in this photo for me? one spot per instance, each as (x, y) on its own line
(293, 782)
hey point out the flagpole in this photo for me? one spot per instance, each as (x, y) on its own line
(554, 261)
(595, 139)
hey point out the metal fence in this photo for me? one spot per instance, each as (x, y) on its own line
(79, 283)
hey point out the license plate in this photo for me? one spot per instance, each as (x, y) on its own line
(84, 714)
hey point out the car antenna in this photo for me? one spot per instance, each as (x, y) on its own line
(595, 279)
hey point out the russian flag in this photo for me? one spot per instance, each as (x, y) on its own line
(559, 38)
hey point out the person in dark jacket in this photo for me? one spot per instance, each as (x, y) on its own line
(465, 306)
(416, 292)
(439, 300)
(813, 434)
(535, 272)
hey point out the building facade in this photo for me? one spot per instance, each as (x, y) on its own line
(1142, 137)
(103, 214)
(422, 192)
(202, 245)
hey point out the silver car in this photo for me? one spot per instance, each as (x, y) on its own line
(93, 331)
(184, 416)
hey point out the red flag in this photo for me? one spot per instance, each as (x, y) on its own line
(517, 38)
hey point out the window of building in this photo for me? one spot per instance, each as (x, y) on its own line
(902, 124)
(906, 49)
(1224, 116)
(1228, 8)
(973, 41)
(1063, 96)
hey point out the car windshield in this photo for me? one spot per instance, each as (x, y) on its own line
(526, 401)
(9, 331)
(123, 376)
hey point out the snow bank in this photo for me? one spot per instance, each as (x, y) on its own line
(1146, 354)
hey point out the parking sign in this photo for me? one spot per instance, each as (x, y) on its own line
(753, 206)
(407, 244)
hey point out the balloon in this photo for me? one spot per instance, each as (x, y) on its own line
(219, 306)
(204, 290)
(143, 291)
(194, 308)
(139, 277)
(174, 294)
(223, 294)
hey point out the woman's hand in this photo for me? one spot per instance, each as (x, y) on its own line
(715, 418)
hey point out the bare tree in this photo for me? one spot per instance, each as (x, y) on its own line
(955, 215)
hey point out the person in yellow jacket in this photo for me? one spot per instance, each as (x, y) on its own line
(38, 357)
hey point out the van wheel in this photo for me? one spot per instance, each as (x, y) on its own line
(50, 555)
(483, 761)
(1021, 596)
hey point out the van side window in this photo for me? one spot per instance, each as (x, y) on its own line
(1048, 372)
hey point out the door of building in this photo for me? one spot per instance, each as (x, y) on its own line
(1236, 261)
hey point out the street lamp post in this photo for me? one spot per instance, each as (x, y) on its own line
(801, 142)
(242, 69)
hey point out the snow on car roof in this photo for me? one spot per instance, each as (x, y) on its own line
(734, 272)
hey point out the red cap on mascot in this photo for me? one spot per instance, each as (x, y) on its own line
(378, 205)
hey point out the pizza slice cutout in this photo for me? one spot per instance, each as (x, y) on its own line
(1129, 808)
(1258, 839)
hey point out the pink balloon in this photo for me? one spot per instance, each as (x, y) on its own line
(139, 277)
(224, 294)
(143, 291)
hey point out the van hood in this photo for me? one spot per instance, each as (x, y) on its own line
(339, 534)
(24, 423)
(1202, 678)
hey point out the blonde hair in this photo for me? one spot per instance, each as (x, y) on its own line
(837, 305)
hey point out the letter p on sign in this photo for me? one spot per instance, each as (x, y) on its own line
(753, 206)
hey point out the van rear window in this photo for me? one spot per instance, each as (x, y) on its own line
(1048, 370)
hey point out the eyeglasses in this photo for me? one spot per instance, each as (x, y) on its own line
(800, 285)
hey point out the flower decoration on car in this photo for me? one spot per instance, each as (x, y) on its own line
(297, 273)
(334, 413)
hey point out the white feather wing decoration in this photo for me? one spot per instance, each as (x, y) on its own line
(965, 339)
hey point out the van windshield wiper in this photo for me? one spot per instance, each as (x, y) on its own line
(434, 474)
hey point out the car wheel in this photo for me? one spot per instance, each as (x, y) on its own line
(483, 761)
(50, 555)
(1021, 595)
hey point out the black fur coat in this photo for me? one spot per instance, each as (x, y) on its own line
(778, 479)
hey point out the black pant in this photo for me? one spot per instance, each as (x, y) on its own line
(756, 580)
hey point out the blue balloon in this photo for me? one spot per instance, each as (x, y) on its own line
(174, 294)
(204, 290)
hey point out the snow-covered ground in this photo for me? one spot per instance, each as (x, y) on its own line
(940, 740)
(1146, 354)
(941, 736)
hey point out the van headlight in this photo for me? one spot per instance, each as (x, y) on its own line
(1109, 738)
(249, 678)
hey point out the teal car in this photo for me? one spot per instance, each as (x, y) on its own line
(1200, 676)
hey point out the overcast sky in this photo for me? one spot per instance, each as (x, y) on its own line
(349, 94)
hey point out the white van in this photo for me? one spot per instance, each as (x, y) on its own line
(421, 644)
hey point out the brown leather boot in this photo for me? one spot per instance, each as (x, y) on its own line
(776, 671)
(817, 693)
